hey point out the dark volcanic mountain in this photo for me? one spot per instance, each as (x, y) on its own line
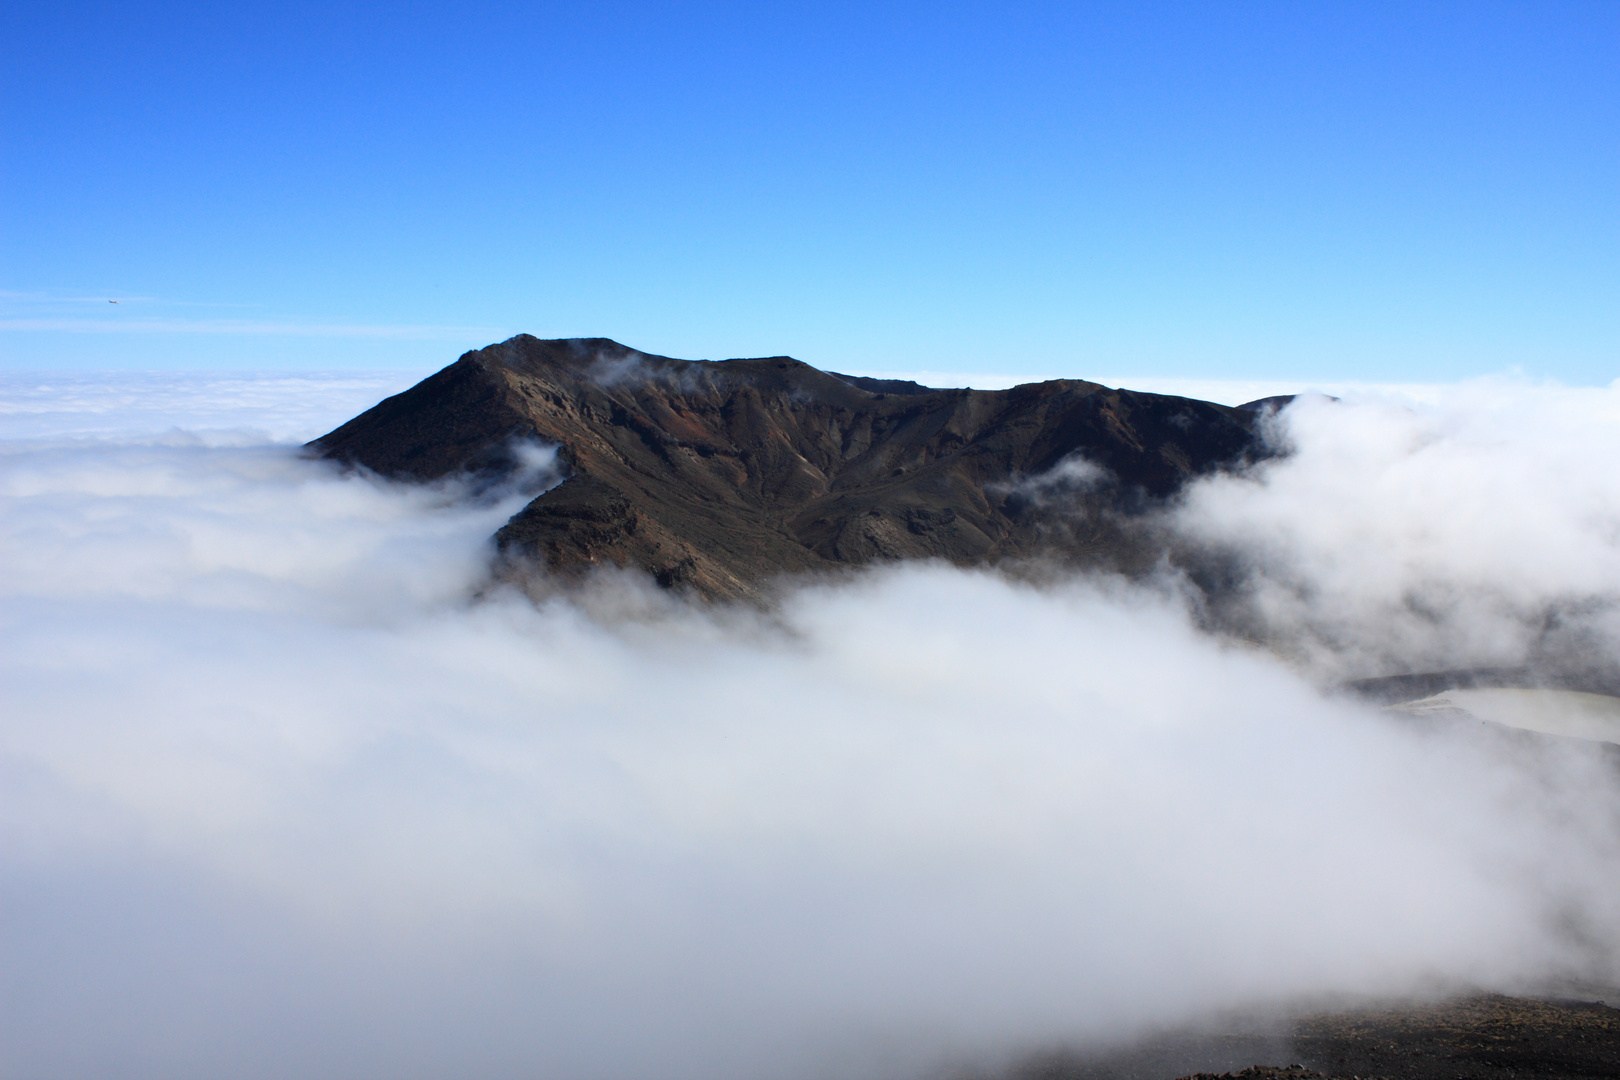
(721, 475)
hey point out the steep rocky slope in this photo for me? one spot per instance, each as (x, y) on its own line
(720, 475)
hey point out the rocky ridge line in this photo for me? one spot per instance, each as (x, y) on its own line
(717, 477)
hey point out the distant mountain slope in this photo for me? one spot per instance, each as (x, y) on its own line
(720, 475)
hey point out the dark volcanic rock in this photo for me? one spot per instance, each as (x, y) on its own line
(720, 475)
(1481, 1038)
(1487, 1037)
(1586, 677)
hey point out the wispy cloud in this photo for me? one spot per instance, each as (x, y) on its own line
(68, 312)
(112, 324)
(19, 296)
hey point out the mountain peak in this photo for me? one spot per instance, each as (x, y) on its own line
(719, 475)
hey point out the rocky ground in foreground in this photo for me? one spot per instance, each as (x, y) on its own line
(1482, 1037)
(1489, 1037)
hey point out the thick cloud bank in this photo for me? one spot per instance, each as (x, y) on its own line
(1482, 531)
(291, 792)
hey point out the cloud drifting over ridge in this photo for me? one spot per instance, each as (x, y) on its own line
(285, 799)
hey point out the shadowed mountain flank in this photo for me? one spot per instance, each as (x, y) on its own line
(717, 476)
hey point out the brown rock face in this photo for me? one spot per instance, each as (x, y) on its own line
(718, 476)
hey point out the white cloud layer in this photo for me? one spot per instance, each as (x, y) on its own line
(290, 406)
(288, 793)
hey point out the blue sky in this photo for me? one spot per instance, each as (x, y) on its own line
(1401, 192)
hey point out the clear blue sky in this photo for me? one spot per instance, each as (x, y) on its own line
(1361, 191)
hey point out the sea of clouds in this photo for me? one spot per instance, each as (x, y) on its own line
(291, 790)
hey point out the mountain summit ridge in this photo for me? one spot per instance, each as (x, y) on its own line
(720, 475)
